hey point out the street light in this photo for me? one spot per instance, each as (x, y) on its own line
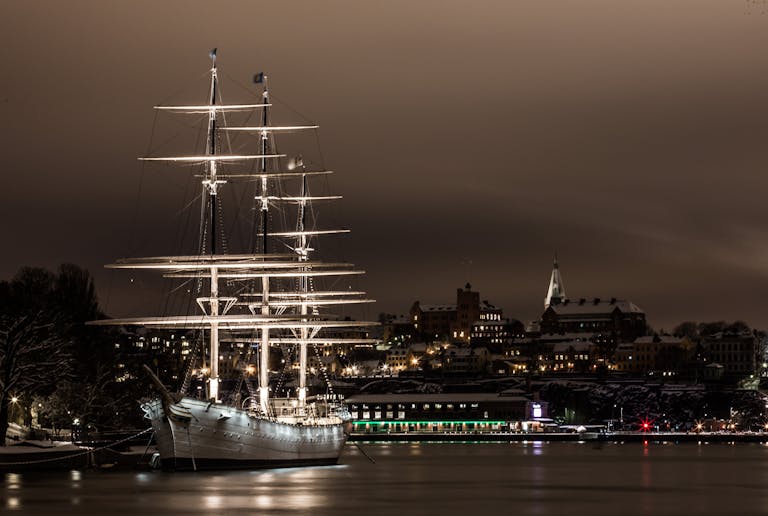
(14, 403)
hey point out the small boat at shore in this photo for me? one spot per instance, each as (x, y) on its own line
(31, 455)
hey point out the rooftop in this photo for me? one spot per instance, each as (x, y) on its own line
(462, 397)
(594, 306)
(437, 308)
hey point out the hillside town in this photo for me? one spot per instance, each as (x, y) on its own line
(458, 366)
(584, 337)
(586, 360)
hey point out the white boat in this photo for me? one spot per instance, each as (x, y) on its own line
(258, 296)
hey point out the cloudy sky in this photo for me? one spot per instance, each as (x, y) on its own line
(471, 140)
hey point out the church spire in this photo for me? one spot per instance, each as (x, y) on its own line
(556, 291)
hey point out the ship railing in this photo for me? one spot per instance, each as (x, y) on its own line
(339, 410)
(253, 408)
(313, 413)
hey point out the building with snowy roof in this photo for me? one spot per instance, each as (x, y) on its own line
(737, 350)
(662, 355)
(616, 320)
(453, 321)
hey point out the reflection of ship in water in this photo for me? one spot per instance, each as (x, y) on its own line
(271, 294)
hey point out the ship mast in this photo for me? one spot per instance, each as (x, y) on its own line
(264, 346)
(263, 165)
(212, 184)
(303, 252)
(277, 311)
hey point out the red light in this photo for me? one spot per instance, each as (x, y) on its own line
(645, 425)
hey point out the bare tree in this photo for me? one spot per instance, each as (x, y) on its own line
(33, 356)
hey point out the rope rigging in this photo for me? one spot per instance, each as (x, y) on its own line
(295, 291)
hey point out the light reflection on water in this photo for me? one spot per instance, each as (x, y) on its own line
(12, 481)
(445, 479)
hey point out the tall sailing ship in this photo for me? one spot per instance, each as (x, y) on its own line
(271, 296)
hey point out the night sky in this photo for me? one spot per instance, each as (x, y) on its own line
(471, 140)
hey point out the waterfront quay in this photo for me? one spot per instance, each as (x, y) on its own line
(606, 437)
(507, 417)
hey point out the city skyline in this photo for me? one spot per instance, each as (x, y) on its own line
(471, 143)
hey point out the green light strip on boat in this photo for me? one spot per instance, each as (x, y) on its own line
(484, 422)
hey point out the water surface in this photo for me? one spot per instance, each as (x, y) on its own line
(439, 479)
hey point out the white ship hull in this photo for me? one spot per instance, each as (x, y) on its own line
(197, 435)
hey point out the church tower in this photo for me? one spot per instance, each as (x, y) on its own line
(556, 291)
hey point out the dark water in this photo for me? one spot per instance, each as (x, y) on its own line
(439, 479)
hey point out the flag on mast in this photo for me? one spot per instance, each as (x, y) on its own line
(258, 78)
